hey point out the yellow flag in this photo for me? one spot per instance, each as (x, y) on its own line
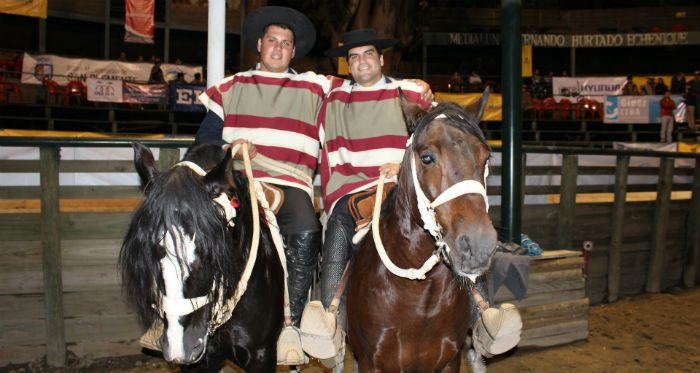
(30, 8)
(527, 60)
(342, 65)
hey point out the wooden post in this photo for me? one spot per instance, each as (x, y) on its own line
(567, 202)
(51, 257)
(168, 157)
(658, 234)
(691, 258)
(618, 220)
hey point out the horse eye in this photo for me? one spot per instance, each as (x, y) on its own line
(427, 159)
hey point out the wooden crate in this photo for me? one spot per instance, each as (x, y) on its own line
(555, 307)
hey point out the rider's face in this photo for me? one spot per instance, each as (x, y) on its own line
(365, 64)
(276, 49)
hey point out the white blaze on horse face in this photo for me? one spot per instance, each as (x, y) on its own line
(174, 275)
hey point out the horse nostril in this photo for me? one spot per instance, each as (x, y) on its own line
(464, 245)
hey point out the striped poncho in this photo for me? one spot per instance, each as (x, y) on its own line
(361, 128)
(277, 113)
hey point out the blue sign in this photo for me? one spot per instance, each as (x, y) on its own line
(184, 97)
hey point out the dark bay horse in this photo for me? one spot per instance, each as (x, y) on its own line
(396, 324)
(184, 254)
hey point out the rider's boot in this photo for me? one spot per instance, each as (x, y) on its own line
(302, 255)
(494, 330)
(322, 332)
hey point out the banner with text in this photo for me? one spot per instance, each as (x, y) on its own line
(185, 97)
(30, 8)
(104, 90)
(36, 68)
(588, 86)
(638, 109)
(138, 22)
(145, 93)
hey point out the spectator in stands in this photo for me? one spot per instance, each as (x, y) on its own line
(678, 84)
(456, 83)
(564, 73)
(156, 73)
(667, 106)
(122, 56)
(179, 79)
(475, 81)
(528, 106)
(660, 88)
(536, 77)
(547, 83)
(690, 100)
(695, 86)
(648, 88)
(197, 79)
(178, 61)
(630, 89)
(140, 59)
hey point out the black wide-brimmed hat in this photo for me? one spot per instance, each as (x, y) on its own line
(357, 38)
(257, 20)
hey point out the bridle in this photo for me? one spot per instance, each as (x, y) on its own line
(429, 217)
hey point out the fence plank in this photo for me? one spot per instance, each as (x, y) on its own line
(618, 223)
(659, 229)
(51, 257)
(693, 232)
(567, 206)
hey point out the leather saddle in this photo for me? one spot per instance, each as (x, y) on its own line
(361, 204)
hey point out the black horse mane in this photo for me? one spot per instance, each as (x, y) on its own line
(178, 196)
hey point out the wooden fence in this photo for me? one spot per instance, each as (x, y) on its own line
(59, 288)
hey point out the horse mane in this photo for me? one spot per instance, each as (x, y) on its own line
(178, 197)
(457, 117)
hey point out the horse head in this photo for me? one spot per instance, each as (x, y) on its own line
(176, 259)
(446, 165)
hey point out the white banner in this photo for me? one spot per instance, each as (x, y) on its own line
(104, 90)
(588, 86)
(638, 109)
(62, 70)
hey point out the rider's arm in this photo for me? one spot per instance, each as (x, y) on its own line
(210, 130)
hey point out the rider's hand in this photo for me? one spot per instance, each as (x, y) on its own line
(252, 150)
(426, 92)
(389, 170)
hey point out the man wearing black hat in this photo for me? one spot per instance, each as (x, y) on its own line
(272, 108)
(363, 134)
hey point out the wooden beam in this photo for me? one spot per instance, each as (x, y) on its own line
(693, 236)
(618, 225)
(51, 257)
(660, 226)
(567, 206)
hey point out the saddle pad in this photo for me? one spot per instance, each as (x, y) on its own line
(274, 196)
(361, 204)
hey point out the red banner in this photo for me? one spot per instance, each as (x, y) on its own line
(138, 24)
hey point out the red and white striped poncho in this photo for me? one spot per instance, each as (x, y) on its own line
(360, 129)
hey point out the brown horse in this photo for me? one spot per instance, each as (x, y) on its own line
(397, 324)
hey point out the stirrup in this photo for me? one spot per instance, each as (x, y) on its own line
(151, 338)
(289, 351)
(321, 336)
(498, 330)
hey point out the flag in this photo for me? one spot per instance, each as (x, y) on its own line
(30, 8)
(138, 25)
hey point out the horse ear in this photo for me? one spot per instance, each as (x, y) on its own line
(411, 112)
(477, 108)
(220, 178)
(144, 163)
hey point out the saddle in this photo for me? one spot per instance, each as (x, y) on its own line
(274, 196)
(361, 205)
